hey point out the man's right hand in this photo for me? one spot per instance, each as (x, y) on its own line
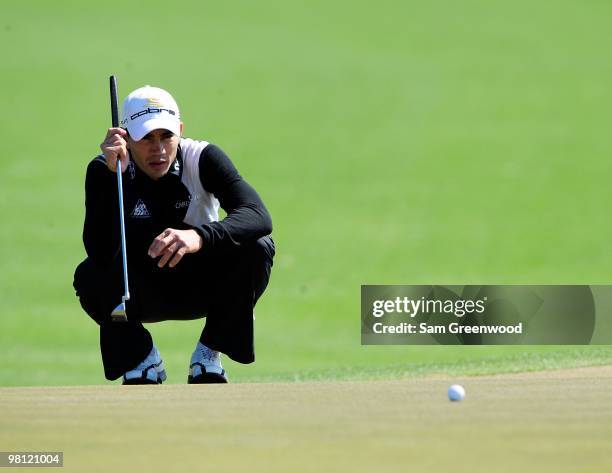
(114, 146)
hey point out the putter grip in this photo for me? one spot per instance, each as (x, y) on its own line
(114, 105)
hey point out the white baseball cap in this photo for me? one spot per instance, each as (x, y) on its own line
(147, 109)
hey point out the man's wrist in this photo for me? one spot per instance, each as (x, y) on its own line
(202, 236)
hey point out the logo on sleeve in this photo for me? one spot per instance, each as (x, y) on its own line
(140, 210)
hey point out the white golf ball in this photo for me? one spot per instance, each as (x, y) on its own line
(456, 393)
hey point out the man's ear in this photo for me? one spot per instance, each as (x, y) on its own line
(181, 128)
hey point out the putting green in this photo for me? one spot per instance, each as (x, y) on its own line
(549, 421)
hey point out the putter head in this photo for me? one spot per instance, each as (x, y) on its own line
(119, 314)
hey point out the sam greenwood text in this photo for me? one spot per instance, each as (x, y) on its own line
(453, 328)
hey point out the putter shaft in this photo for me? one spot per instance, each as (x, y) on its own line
(119, 313)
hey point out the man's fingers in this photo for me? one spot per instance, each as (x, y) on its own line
(114, 147)
(160, 243)
(158, 246)
(112, 154)
(115, 137)
(176, 251)
(123, 156)
(173, 244)
(168, 252)
(116, 141)
(115, 131)
(178, 256)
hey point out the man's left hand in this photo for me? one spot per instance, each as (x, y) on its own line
(174, 244)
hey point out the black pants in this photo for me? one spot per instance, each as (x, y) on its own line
(222, 286)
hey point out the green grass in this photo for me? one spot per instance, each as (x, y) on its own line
(546, 422)
(394, 143)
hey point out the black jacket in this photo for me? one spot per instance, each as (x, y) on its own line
(152, 206)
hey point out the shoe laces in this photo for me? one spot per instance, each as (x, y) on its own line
(206, 354)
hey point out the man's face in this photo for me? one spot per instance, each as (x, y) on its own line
(155, 152)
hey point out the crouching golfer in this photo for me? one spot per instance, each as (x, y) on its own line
(184, 263)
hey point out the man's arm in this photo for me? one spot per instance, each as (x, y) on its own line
(101, 228)
(247, 217)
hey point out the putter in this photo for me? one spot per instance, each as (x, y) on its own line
(119, 314)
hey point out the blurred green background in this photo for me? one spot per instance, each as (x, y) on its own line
(449, 142)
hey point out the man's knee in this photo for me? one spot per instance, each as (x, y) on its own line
(262, 254)
(92, 288)
(262, 250)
